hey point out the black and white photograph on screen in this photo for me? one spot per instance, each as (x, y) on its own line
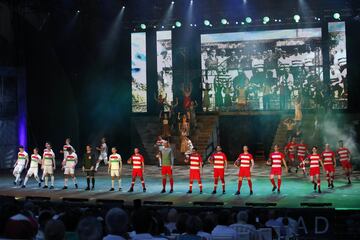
(262, 70)
(164, 67)
(338, 65)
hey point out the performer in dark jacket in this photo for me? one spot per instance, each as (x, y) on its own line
(89, 162)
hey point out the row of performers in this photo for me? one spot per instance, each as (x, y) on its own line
(245, 163)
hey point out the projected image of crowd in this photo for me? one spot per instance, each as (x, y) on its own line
(263, 75)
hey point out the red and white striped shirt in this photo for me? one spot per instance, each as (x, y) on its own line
(291, 147)
(328, 157)
(245, 160)
(276, 159)
(219, 159)
(344, 154)
(314, 160)
(301, 150)
(195, 161)
(137, 160)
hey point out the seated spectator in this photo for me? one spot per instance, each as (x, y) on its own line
(43, 219)
(55, 230)
(242, 225)
(89, 228)
(208, 224)
(142, 223)
(222, 229)
(116, 221)
(171, 218)
(20, 226)
(193, 226)
(272, 222)
(290, 223)
(181, 223)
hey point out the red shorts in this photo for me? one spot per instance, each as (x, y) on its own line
(195, 174)
(291, 156)
(346, 164)
(219, 172)
(314, 171)
(276, 171)
(166, 170)
(329, 168)
(244, 172)
(301, 158)
(137, 172)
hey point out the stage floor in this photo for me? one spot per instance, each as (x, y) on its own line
(295, 189)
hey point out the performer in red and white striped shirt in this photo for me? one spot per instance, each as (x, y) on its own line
(276, 159)
(314, 159)
(290, 151)
(137, 161)
(344, 158)
(196, 161)
(301, 150)
(329, 164)
(245, 163)
(219, 160)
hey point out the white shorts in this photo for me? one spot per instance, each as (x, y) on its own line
(114, 173)
(69, 171)
(103, 157)
(48, 170)
(18, 169)
(32, 171)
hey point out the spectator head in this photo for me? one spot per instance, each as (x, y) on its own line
(89, 228)
(55, 230)
(181, 222)
(142, 221)
(172, 215)
(208, 223)
(223, 217)
(44, 217)
(116, 221)
(242, 216)
(20, 226)
(193, 225)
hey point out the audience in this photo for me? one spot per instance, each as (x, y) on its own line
(89, 228)
(242, 225)
(116, 221)
(222, 228)
(55, 230)
(58, 221)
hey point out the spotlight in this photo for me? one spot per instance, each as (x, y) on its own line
(297, 18)
(191, 24)
(206, 22)
(224, 21)
(242, 23)
(236, 22)
(178, 24)
(336, 16)
(191, 2)
(172, 26)
(195, 25)
(248, 19)
(123, 7)
(162, 27)
(143, 26)
(78, 11)
(154, 26)
(266, 19)
(172, 2)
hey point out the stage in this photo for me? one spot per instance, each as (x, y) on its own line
(295, 190)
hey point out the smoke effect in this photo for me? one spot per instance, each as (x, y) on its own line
(335, 127)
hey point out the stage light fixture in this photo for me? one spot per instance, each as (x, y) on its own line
(236, 22)
(78, 11)
(191, 24)
(195, 25)
(242, 23)
(123, 7)
(224, 21)
(191, 2)
(173, 26)
(143, 26)
(207, 23)
(172, 2)
(248, 19)
(162, 27)
(297, 18)
(178, 24)
(336, 16)
(266, 19)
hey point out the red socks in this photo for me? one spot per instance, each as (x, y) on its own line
(279, 183)
(250, 184)
(223, 183)
(164, 182)
(273, 182)
(171, 183)
(239, 185)
(215, 183)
